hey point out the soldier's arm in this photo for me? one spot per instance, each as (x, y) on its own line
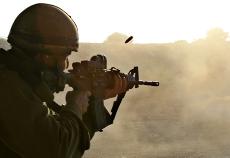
(28, 129)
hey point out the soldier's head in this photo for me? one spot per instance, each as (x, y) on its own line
(46, 33)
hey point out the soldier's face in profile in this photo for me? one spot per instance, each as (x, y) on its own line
(52, 67)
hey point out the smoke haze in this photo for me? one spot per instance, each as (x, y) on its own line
(187, 116)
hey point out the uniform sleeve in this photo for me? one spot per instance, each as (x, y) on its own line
(27, 129)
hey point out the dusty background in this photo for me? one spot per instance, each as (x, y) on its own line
(188, 116)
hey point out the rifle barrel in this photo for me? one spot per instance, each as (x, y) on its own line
(148, 83)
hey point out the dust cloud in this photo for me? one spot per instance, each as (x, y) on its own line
(4, 44)
(187, 116)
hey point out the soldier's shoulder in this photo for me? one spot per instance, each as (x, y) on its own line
(8, 77)
(12, 84)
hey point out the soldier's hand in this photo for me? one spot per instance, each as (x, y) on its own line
(120, 86)
(78, 100)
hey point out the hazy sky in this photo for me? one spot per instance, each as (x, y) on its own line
(149, 21)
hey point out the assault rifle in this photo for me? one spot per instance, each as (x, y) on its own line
(94, 76)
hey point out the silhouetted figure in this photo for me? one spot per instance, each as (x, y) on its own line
(42, 37)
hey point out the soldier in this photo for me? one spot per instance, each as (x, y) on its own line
(42, 37)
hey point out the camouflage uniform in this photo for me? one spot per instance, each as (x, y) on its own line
(27, 129)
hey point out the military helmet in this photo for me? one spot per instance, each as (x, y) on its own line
(43, 27)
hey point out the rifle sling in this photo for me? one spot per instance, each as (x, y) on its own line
(116, 105)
